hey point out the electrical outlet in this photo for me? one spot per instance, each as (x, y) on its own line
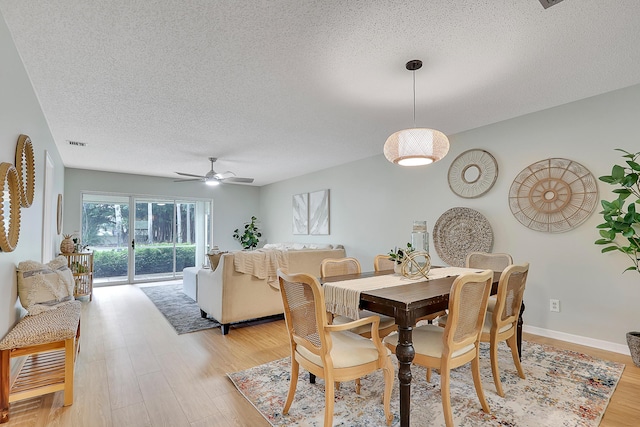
(554, 305)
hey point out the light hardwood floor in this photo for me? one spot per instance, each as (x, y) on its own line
(133, 370)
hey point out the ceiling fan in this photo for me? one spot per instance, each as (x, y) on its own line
(214, 178)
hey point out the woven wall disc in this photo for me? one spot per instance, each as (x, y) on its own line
(473, 173)
(459, 231)
(553, 195)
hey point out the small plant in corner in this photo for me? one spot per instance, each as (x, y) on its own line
(250, 237)
(620, 230)
(397, 255)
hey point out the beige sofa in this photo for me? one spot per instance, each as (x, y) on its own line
(230, 296)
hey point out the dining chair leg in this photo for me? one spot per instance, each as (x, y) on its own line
(446, 396)
(357, 385)
(512, 342)
(428, 375)
(293, 382)
(477, 382)
(388, 371)
(329, 398)
(495, 371)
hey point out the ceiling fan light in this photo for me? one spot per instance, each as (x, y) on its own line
(212, 182)
(416, 147)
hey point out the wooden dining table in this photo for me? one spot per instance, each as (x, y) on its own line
(406, 303)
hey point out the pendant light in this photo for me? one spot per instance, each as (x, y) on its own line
(416, 146)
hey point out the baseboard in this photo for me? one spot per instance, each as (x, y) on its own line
(577, 339)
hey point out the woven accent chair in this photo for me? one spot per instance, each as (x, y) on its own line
(458, 343)
(501, 324)
(329, 351)
(383, 263)
(491, 261)
(330, 267)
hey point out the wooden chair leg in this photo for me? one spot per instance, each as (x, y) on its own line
(495, 371)
(428, 375)
(513, 345)
(446, 395)
(329, 398)
(475, 369)
(388, 372)
(293, 382)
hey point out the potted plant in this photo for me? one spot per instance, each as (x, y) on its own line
(620, 230)
(397, 255)
(250, 237)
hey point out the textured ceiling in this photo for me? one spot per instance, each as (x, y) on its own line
(277, 89)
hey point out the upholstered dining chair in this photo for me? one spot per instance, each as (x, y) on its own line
(458, 342)
(492, 261)
(329, 351)
(383, 263)
(501, 324)
(330, 267)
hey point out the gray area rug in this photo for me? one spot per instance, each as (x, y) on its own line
(181, 311)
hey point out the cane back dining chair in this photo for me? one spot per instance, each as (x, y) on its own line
(383, 263)
(330, 267)
(329, 351)
(491, 261)
(501, 324)
(458, 342)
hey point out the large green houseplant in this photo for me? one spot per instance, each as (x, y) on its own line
(620, 230)
(250, 237)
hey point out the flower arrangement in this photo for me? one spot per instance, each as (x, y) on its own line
(397, 255)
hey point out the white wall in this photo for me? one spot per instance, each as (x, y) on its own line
(233, 205)
(374, 202)
(20, 113)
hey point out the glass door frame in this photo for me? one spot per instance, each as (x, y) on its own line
(203, 224)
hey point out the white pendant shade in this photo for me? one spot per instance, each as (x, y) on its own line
(416, 147)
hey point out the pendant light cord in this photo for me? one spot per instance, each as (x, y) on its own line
(414, 98)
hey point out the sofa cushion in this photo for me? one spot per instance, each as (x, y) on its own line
(42, 286)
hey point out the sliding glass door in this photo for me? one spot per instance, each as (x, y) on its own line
(167, 235)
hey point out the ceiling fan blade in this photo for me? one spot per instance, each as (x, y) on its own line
(190, 174)
(188, 179)
(224, 175)
(238, 180)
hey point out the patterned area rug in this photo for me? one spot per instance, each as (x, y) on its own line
(181, 311)
(562, 388)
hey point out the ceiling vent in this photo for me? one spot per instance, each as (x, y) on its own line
(548, 3)
(77, 143)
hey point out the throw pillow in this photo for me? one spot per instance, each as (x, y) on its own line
(42, 286)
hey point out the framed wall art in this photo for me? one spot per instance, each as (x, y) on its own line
(301, 213)
(319, 212)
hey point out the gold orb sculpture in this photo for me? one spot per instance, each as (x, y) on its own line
(416, 265)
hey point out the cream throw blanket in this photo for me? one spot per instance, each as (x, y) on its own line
(343, 298)
(262, 263)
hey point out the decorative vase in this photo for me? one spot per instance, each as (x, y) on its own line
(67, 245)
(397, 268)
(633, 341)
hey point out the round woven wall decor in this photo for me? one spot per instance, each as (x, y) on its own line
(459, 231)
(473, 173)
(553, 195)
